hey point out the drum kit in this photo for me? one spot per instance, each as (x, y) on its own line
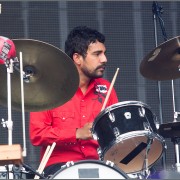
(131, 139)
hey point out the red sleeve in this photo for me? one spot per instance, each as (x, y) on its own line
(43, 133)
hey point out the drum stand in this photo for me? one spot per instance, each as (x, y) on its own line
(176, 140)
(157, 11)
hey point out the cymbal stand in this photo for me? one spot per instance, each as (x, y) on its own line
(157, 11)
(9, 122)
(175, 140)
(23, 77)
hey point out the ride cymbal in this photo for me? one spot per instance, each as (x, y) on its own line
(54, 77)
(163, 62)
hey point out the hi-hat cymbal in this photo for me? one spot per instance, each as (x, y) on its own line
(163, 62)
(54, 80)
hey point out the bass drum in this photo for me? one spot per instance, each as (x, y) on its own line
(89, 169)
(127, 135)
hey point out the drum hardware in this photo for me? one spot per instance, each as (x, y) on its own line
(145, 168)
(171, 130)
(10, 153)
(14, 172)
(39, 59)
(33, 170)
(42, 62)
(162, 63)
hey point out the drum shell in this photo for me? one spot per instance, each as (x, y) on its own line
(103, 126)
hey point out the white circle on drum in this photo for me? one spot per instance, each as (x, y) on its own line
(90, 169)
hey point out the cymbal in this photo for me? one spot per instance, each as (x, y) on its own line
(163, 62)
(54, 79)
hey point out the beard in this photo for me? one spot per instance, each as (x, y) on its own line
(96, 73)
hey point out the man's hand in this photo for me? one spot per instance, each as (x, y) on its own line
(84, 132)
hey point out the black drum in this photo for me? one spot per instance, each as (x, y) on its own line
(89, 169)
(127, 135)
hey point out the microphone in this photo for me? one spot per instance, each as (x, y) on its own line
(7, 50)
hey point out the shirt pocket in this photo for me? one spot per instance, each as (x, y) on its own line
(64, 116)
(64, 119)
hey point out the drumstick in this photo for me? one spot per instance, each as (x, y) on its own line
(42, 161)
(46, 158)
(110, 88)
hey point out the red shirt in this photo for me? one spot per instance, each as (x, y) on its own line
(59, 124)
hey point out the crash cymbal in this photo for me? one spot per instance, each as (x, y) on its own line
(163, 62)
(54, 79)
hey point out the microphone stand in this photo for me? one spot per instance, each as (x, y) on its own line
(157, 11)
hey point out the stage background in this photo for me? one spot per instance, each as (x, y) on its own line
(129, 30)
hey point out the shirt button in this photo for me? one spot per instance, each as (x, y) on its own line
(83, 116)
(83, 147)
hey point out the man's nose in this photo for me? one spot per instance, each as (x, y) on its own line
(103, 58)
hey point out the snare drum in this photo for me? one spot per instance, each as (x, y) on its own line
(127, 135)
(89, 169)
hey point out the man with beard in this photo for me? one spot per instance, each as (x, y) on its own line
(70, 124)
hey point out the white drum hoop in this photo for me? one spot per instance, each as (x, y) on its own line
(90, 169)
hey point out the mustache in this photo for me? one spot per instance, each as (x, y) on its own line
(101, 66)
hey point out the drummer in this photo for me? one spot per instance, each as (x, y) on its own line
(70, 124)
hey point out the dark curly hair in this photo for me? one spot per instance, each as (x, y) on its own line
(79, 39)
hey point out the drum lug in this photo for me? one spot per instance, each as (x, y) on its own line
(142, 112)
(69, 163)
(110, 163)
(111, 116)
(99, 151)
(116, 132)
(95, 136)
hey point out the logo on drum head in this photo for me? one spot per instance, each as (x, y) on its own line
(127, 115)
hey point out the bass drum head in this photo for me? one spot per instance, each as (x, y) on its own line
(129, 152)
(90, 169)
